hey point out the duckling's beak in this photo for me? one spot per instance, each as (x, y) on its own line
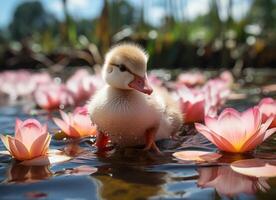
(141, 84)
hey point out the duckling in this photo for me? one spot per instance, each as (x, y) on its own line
(127, 110)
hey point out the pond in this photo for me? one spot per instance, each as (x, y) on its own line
(135, 174)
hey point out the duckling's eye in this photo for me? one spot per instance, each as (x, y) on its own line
(122, 68)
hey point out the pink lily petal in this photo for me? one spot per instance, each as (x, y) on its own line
(273, 124)
(217, 140)
(73, 132)
(29, 131)
(252, 143)
(22, 150)
(33, 122)
(195, 113)
(83, 125)
(231, 127)
(229, 111)
(81, 110)
(46, 145)
(66, 128)
(18, 150)
(212, 124)
(77, 124)
(257, 140)
(258, 137)
(251, 120)
(197, 155)
(267, 100)
(65, 117)
(266, 125)
(255, 168)
(18, 124)
(5, 141)
(41, 99)
(83, 131)
(269, 132)
(205, 131)
(268, 108)
(61, 124)
(38, 146)
(13, 150)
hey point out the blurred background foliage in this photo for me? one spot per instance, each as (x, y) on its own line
(36, 38)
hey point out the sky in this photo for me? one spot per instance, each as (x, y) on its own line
(92, 8)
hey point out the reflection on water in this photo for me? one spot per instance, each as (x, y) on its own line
(229, 183)
(124, 175)
(26, 174)
(73, 149)
(122, 182)
(69, 187)
(133, 173)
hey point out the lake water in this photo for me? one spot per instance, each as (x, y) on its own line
(135, 174)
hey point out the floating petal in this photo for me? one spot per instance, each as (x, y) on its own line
(201, 156)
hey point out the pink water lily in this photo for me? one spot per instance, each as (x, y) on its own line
(191, 79)
(82, 85)
(31, 140)
(227, 77)
(76, 124)
(237, 132)
(21, 83)
(196, 103)
(268, 108)
(155, 80)
(192, 104)
(51, 96)
(217, 91)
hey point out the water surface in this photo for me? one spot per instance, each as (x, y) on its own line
(133, 173)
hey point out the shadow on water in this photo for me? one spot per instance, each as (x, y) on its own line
(132, 173)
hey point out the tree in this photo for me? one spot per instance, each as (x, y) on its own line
(120, 14)
(29, 18)
(263, 13)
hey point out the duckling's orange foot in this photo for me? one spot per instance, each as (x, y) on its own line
(102, 141)
(150, 141)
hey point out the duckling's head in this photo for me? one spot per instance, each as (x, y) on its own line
(125, 67)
